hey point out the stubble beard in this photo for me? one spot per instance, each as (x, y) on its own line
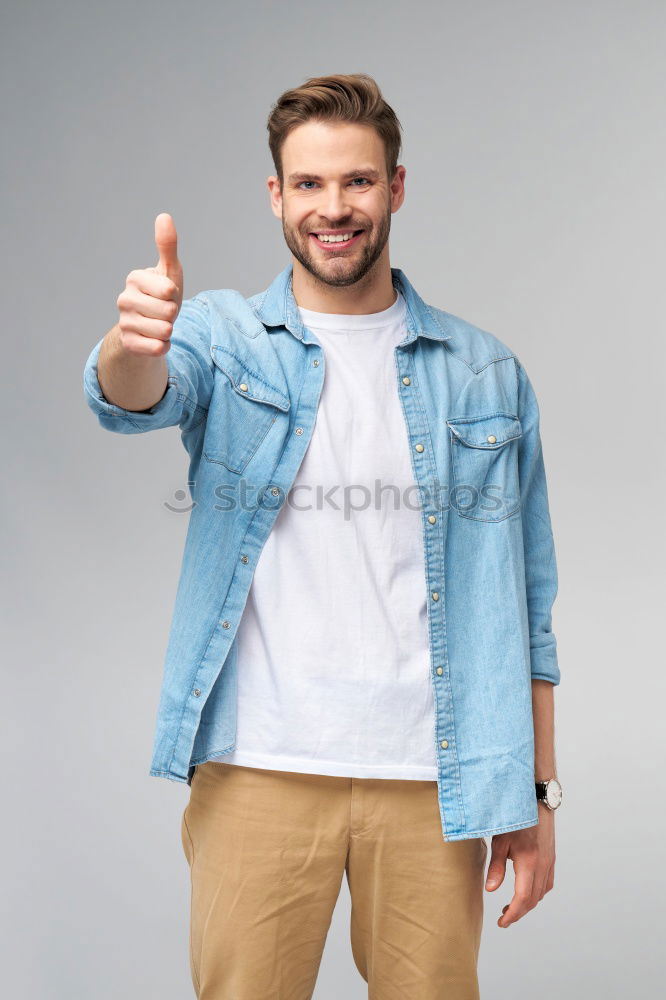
(345, 269)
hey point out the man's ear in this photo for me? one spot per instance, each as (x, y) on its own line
(398, 188)
(275, 190)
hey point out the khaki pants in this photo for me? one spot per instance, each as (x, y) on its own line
(267, 850)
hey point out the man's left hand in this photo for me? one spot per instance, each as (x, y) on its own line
(532, 851)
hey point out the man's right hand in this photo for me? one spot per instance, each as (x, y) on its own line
(152, 297)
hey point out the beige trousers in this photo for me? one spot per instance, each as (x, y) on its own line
(267, 850)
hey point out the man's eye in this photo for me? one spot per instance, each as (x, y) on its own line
(363, 181)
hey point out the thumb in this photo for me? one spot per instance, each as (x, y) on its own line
(166, 241)
(496, 872)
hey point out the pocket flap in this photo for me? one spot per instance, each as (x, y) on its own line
(489, 431)
(247, 382)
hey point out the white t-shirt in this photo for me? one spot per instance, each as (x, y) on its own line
(333, 655)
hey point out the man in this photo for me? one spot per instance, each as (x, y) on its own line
(360, 670)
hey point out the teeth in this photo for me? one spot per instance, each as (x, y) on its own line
(335, 239)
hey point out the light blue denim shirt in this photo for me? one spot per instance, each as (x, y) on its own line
(244, 382)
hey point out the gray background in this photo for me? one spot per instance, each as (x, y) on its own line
(534, 147)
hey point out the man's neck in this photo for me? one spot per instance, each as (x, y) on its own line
(373, 293)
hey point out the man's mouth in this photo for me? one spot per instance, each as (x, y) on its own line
(338, 239)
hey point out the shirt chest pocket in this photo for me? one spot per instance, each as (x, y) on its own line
(484, 456)
(243, 408)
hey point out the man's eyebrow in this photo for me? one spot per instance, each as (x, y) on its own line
(299, 176)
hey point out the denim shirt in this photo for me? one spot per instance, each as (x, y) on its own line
(244, 381)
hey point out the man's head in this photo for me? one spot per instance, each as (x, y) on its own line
(335, 144)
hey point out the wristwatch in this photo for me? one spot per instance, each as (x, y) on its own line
(549, 792)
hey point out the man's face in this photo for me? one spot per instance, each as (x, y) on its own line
(335, 181)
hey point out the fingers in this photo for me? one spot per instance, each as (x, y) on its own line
(496, 868)
(149, 281)
(523, 895)
(145, 327)
(132, 299)
(150, 347)
(534, 867)
(148, 307)
(533, 880)
(166, 241)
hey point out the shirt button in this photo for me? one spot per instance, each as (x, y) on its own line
(315, 363)
(432, 519)
(444, 744)
(243, 559)
(275, 491)
(197, 692)
(435, 595)
(491, 439)
(226, 624)
(419, 447)
(406, 380)
(243, 387)
(299, 430)
(440, 670)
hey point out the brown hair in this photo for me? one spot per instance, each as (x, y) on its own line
(341, 98)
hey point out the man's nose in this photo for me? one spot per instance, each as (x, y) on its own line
(334, 205)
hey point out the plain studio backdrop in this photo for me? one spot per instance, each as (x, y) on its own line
(534, 142)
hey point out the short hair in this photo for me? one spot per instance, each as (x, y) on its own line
(353, 97)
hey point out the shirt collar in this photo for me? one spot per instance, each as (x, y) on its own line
(277, 307)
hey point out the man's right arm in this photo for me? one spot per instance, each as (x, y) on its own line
(153, 368)
(115, 387)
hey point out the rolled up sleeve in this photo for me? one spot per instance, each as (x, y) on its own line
(539, 550)
(189, 379)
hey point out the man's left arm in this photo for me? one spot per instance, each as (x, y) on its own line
(538, 544)
(532, 849)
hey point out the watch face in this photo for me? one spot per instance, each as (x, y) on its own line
(553, 793)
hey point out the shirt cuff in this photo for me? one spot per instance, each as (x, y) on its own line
(115, 418)
(544, 663)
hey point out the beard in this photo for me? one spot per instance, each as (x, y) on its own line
(345, 268)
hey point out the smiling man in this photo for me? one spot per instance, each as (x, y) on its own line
(345, 266)
(360, 670)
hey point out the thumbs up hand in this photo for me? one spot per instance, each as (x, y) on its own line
(152, 297)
